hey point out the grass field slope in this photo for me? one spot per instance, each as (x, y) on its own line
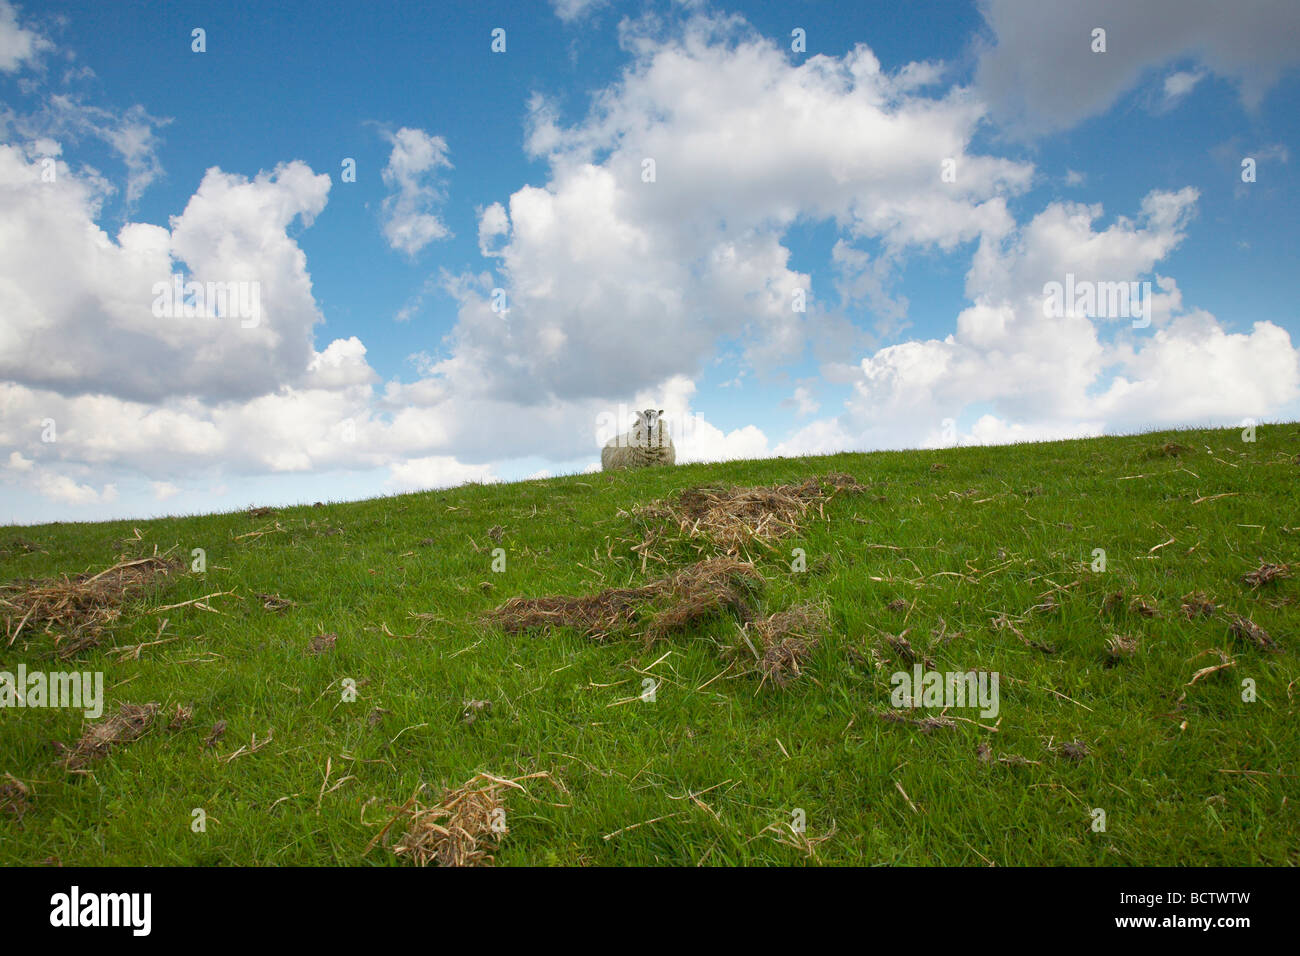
(352, 683)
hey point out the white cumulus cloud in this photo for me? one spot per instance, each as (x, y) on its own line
(409, 213)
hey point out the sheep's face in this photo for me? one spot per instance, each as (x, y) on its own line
(646, 422)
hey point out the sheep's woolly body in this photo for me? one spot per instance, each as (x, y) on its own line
(614, 457)
(639, 448)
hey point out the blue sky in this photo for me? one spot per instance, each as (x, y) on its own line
(377, 364)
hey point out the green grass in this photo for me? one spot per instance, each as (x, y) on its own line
(987, 534)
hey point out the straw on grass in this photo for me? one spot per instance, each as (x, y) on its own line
(76, 610)
(661, 607)
(777, 646)
(461, 829)
(733, 517)
(131, 722)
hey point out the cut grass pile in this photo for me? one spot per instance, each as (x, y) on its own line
(732, 517)
(654, 610)
(461, 829)
(131, 722)
(76, 610)
(15, 796)
(777, 646)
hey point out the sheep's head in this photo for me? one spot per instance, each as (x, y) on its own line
(646, 422)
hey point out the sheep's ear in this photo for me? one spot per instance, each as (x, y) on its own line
(661, 411)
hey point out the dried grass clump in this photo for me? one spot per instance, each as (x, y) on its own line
(1015, 760)
(902, 647)
(322, 644)
(1121, 646)
(1197, 605)
(1140, 606)
(76, 610)
(181, 718)
(777, 646)
(131, 722)
(704, 590)
(733, 517)
(924, 724)
(17, 546)
(218, 731)
(1243, 628)
(461, 829)
(1075, 750)
(661, 607)
(595, 615)
(1266, 574)
(985, 754)
(845, 483)
(15, 796)
(273, 602)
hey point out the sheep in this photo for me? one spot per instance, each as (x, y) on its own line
(648, 443)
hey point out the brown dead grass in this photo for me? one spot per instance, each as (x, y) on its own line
(1074, 750)
(1266, 574)
(1121, 646)
(1225, 661)
(777, 646)
(462, 829)
(218, 731)
(273, 602)
(76, 610)
(1143, 608)
(131, 722)
(924, 724)
(15, 796)
(1244, 629)
(17, 546)
(986, 756)
(322, 644)
(654, 610)
(181, 718)
(1197, 605)
(733, 517)
(902, 647)
(1005, 623)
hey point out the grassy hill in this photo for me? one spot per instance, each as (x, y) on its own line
(963, 559)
